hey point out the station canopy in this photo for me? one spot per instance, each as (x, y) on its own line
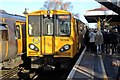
(113, 5)
(104, 13)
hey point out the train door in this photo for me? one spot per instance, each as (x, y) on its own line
(48, 39)
(19, 36)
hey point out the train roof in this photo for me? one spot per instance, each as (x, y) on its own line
(4, 14)
(51, 11)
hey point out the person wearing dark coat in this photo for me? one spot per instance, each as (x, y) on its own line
(113, 38)
(106, 41)
(87, 39)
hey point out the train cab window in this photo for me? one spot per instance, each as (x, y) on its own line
(34, 25)
(18, 32)
(64, 25)
(3, 33)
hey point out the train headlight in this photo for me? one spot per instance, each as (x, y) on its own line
(65, 48)
(51, 15)
(62, 50)
(33, 47)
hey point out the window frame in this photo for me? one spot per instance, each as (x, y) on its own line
(68, 20)
(1, 32)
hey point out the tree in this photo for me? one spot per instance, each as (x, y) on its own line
(57, 4)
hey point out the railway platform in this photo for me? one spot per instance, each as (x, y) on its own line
(90, 66)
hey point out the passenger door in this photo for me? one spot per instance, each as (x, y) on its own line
(19, 36)
(48, 39)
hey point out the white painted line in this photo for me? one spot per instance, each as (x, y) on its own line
(85, 71)
(35, 77)
(93, 72)
(77, 63)
(103, 69)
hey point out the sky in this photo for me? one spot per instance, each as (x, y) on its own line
(18, 6)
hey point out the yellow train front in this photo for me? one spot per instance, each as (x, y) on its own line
(53, 37)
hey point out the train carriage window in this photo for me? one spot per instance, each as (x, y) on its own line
(64, 25)
(24, 30)
(18, 32)
(3, 33)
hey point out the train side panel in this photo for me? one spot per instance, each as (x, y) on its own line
(12, 42)
(11, 46)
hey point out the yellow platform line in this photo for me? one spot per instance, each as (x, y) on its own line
(103, 69)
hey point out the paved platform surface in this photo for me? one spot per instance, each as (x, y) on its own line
(94, 67)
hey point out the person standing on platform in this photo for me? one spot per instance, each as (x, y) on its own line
(92, 40)
(106, 41)
(86, 39)
(113, 41)
(99, 41)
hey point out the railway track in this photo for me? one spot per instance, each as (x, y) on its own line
(9, 74)
(16, 74)
(56, 74)
(37, 74)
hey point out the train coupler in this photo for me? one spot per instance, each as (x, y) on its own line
(35, 62)
(48, 61)
(48, 68)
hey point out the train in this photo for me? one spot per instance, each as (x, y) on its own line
(53, 38)
(12, 35)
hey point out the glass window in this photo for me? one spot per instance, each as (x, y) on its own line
(64, 25)
(23, 31)
(18, 32)
(3, 35)
(34, 25)
(3, 32)
(50, 28)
